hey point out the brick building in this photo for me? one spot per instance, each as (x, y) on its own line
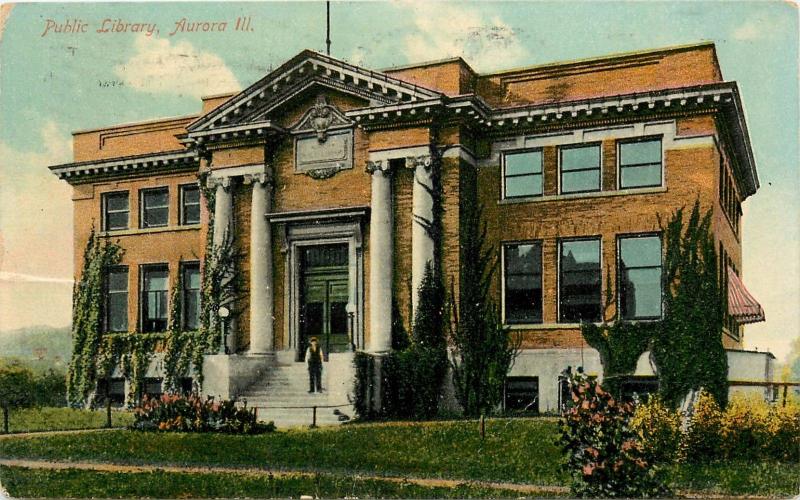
(322, 174)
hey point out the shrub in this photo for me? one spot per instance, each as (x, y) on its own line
(744, 427)
(604, 456)
(783, 428)
(703, 436)
(658, 429)
(190, 413)
(50, 389)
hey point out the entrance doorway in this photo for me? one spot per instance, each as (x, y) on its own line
(324, 295)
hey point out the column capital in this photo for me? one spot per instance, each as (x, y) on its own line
(382, 166)
(424, 161)
(215, 182)
(263, 178)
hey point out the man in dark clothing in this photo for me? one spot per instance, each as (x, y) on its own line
(314, 360)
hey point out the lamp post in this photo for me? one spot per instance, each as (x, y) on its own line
(223, 313)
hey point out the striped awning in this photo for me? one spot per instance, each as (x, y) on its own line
(741, 305)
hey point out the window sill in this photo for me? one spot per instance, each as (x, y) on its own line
(593, 194)
(151, 230)
(545, 326)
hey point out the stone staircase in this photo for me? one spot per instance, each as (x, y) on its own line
(281, 395)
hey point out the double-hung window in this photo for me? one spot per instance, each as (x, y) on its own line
(522, 271)
(115, 211)
(580, 279)
(190, 204)
(640, 290)
(154, 207)
(116, 303)
(522, 174)
(153, 300)
(191, 296)
(640, 163)
(580, 168)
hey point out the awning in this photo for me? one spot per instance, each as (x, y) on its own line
(741, 305)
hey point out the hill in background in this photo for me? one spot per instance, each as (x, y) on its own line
(38, 347)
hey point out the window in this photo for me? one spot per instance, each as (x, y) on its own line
(191, 296)
(116, 306)
(190, 204)
(522, 175)
(114, 387)
(640, 277)
(639, 163)
(579, 281)
(115, 211)
(153, 301)
(155, 207)
(522, 394)
(580, 168)
(523, 283)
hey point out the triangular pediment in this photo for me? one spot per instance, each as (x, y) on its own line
(259, 102)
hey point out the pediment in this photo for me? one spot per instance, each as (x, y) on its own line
(259, 102)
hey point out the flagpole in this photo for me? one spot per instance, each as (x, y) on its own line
(328, 26)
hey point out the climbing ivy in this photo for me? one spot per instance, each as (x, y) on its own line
(87, 307)
(620, 343)
(688, 351)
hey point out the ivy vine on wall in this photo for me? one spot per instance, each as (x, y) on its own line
(87, 307)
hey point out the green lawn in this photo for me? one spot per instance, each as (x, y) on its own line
(79, 483)
(521, 451)
(57, 419)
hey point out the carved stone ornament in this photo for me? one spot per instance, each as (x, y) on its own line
(419, 161)
(322, 173)
(374, 166)
(320, 119)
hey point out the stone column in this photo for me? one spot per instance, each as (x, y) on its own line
(223, 211)
(381, 262)
(261, 304)
(223, 230)
(422, 244)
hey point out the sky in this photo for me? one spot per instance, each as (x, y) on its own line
(53, 82)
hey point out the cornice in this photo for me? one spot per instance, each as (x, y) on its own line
(128, 166)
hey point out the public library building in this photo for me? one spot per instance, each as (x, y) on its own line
(322, 174)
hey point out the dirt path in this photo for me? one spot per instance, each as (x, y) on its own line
(110, 467)
(53, 433)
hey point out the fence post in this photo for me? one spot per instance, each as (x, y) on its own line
(482, 426)
(785, 390)
(314, 417)
(5, 419)
(108, 412)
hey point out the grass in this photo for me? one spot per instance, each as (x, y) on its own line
(21, 482)
(513, 450)
(520, 451)
(58, 419)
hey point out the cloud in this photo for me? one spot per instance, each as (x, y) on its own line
(29, 278)
(35, 207)
(447, 30)
(748, 31)
(161, 67)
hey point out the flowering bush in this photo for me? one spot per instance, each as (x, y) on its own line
(172, 412)
(658, 429)
(783, 428)
(604, 455)
(703, 438)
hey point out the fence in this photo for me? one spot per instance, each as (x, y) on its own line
(313, 409)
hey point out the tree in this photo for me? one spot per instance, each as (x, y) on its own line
(16, 383)
(483, 350)
(688, 350)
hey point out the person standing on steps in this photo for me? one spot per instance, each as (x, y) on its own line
(314, 361)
